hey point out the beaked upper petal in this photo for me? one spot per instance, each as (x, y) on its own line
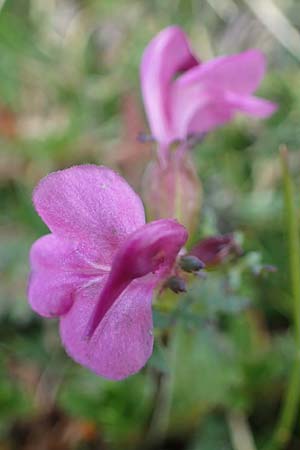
(167, 54)
(153, 248)
(90, 204)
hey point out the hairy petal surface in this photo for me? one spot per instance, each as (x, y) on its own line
(92, 205)
(166, 55)
(58, 268)
(153, 248)
(122, 343)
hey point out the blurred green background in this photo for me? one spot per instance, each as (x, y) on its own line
(69, 94)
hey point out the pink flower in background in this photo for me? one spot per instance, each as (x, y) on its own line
(215, 250)
(98, 268)
(185, 97)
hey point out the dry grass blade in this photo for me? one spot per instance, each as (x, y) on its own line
(277, 23)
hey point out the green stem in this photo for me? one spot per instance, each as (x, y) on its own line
(159, 422)
(290, 406)
(289, 410)
(293, 241)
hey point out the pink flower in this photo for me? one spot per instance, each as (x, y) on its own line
(185, 97)
(98, 268)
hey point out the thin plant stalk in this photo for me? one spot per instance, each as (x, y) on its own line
(158, 426)
(240, 432)
(290, 405)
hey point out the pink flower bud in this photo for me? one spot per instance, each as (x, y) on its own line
(214, 250)
(176, 284)
(191, 263)
(173, 191)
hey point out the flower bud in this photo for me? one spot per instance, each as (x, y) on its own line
(191, 263)
(215, 250)
(173, 191)
(176, 284)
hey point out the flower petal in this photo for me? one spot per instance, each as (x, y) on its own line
(91, 204)
(152, 248)
(166, 55)
(209, 117)
(241, 73)
(51, 296)
(208, 95)
(122, 343)
(197, 109)
(219, 111)
(58, 268)
(253, 106)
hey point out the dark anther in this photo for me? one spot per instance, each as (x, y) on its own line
(176, 284)
(191, 263)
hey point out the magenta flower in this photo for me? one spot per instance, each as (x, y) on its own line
(98, 268)
(185, 97)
